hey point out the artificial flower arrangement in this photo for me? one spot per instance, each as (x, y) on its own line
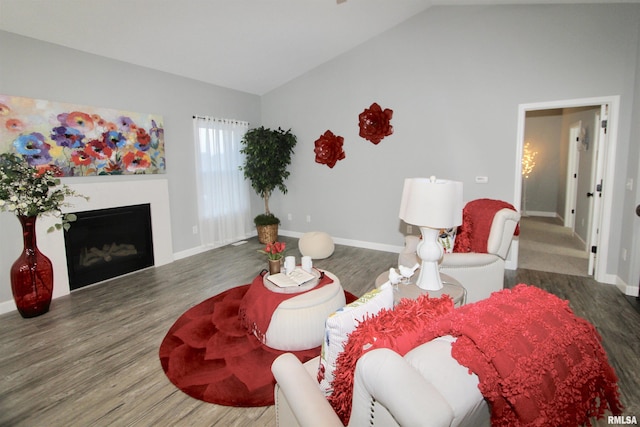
(328, 149)
(375, 123)
(33, 191)
(275, 250)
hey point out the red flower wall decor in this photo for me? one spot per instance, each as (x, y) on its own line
(375, 123)
(329, 149)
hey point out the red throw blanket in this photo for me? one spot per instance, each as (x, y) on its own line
(538, 364)
(477, 217)
(259, 303)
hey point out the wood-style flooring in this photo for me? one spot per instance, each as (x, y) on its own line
(93, 359)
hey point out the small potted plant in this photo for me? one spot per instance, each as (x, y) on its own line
(275, 253)
(267, 156)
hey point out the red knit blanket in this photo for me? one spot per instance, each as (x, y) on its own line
(538, 364)
(259, 303)
(477, 217)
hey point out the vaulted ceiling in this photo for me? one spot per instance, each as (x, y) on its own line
(249, 45)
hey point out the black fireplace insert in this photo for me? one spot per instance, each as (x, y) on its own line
(107, 243)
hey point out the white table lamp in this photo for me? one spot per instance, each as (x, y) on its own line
(431, 204)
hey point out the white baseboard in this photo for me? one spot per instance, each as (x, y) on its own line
(541, 213)
(349, 242)
(190, 252)
(200, 249)
(625, 288)
(8, 306)
(609, 279)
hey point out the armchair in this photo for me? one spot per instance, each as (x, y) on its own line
(490, 224)
(502, 345)
(387, 391)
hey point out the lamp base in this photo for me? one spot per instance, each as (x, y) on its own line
(430, 252)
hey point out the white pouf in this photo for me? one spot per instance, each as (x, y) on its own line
(316, 244)
(298, 323)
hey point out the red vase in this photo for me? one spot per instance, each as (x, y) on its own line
(31, 274)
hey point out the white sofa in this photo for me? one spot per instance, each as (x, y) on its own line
(480, 273)
(426, 387)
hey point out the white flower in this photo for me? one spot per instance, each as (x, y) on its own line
(25, 191)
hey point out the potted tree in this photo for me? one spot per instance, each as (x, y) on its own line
(267, 156)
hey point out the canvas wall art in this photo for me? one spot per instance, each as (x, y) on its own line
(76, 140)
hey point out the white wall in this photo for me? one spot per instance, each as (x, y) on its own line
(454, 77)
(543, 131)
(629, 266)
(41, 70)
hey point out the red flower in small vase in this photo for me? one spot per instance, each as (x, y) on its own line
(329, 149)
(375, 123)
(274, 250)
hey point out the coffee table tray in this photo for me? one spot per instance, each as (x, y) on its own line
(292, 289)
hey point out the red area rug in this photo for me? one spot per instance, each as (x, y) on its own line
(208, 355)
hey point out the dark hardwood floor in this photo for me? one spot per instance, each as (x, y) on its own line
(635, 302)
(93, 359)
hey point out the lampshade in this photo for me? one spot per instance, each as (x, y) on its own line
(431, 202)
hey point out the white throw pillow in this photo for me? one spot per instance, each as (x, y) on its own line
(340, 324)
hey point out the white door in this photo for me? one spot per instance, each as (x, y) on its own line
(572, 175)
(600, 147)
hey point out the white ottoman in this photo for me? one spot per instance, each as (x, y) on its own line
(316, 244)
(298, 323)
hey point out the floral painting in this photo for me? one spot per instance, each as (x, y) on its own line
(75, 140)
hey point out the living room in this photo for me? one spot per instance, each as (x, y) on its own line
(454, 76)
(454, 87)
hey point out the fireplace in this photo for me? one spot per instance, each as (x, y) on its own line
(106, 243)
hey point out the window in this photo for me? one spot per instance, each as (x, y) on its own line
(224, 209)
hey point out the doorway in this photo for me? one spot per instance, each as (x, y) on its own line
(591, 216)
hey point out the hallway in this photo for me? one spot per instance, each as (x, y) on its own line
(546, 245)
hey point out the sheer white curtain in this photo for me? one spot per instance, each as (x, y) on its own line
(223, 194)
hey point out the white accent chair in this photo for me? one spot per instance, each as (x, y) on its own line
(426, 387)
(480, 273)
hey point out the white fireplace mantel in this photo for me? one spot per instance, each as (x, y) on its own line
(104, 195)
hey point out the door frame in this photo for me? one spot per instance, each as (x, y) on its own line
(600, 273)
(571, 197)
(600, 140)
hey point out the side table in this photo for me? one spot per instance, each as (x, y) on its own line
(451, 287)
